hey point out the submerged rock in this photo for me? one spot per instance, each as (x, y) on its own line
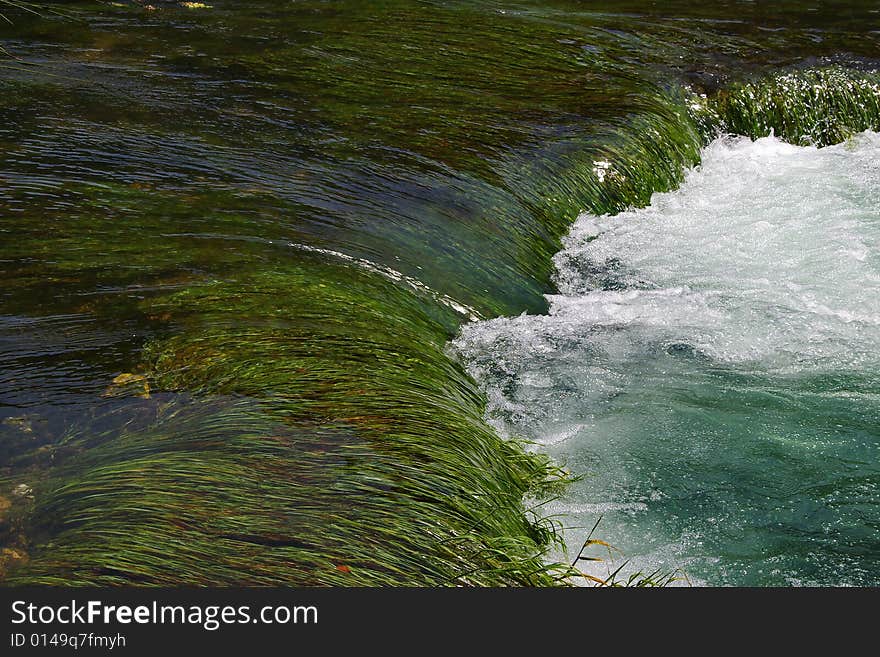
(24, 491)
(22, 423)
(128, 384)
(9, 557)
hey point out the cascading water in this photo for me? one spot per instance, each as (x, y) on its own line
(237, 236)
(710, 366)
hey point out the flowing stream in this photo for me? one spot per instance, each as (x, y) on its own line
(238, 237)
(710, 366)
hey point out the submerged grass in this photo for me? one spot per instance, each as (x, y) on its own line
(294, 417)
(288, 449)
(305, 425)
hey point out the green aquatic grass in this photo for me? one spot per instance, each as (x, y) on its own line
(264, 503)
(642, 152)
(285, 448)
(305, 424)
(816, 107)
(320, 402)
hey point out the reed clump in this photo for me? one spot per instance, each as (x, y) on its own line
(817, 107)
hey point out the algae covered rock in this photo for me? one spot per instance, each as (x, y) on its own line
(129, 385)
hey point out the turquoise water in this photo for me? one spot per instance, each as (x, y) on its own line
(710, 366)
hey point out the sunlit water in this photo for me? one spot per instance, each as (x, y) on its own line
(710, 366)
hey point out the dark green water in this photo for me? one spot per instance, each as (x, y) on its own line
(275, 215)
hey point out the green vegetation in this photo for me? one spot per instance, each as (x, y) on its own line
(255, 231)
(816, 107)
(267, 425)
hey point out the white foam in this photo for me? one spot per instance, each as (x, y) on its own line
(766, 262)
(769, 252)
